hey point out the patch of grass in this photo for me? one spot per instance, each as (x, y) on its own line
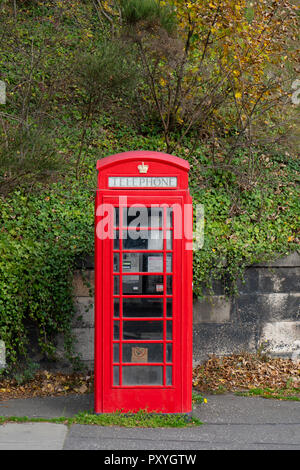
(140, 419)
(197, 398)
(26, 419)
(279, 394)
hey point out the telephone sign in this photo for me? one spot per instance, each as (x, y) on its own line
(142, 182)
(143, 284)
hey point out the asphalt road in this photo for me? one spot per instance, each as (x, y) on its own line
(229, 423)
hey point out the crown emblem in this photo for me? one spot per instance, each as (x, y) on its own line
(143, 168)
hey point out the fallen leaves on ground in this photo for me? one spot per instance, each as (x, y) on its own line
(46, 383)
(239, 372)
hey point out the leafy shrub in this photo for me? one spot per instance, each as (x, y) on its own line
(27, 155)
(40, 238)
(149, 12)
(250, 196)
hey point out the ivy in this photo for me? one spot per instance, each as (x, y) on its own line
(41, 236)
(43, 230)
(43, 233)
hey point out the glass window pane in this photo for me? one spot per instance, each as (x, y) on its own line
(169, 285)
(143, 217)
(169, 244)
(145, 262)
(169, 352)
(116, 307)
(169, 307)
(116, 375)
(116, 217)
(169, 329)
(142, 375)
(143, 352)
(169, 221)
(116, 263)
(132, 284)
(144, 285)
(153, 285)
(132, 262)
(155, 215)
(116, 349)
(135, 216)
(169, 263)
(144, 330)
(155, 263)
(116, 284)
(142, 307)
(143, 239)
(169, 375)
(116, 330)
(116, 240)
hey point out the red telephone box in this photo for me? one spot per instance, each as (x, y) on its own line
(143, 284)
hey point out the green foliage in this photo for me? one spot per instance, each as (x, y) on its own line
(128, 420)
(27, 155)
(198, 399)
(150, 12)
(140, 419)
(105, 73)
(23, 375)
(41, 236)
(56, 61)
(243, 226)
(291, 394)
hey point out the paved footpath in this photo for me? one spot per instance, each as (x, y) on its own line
(230, 423)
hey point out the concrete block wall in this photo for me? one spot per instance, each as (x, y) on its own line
(265, 313)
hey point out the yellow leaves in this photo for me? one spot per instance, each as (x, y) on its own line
(238, 48)
(86, 35)
(162, 82)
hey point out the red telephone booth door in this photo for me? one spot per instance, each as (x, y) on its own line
(142, 305)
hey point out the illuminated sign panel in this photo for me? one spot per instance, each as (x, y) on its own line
(142, 181)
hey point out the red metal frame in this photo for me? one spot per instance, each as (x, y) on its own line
(176, 397)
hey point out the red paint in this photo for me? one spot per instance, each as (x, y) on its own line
(112, 394)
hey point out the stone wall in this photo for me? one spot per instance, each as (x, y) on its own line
(265, 314)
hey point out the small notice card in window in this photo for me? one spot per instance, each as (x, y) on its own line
(139, 354)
